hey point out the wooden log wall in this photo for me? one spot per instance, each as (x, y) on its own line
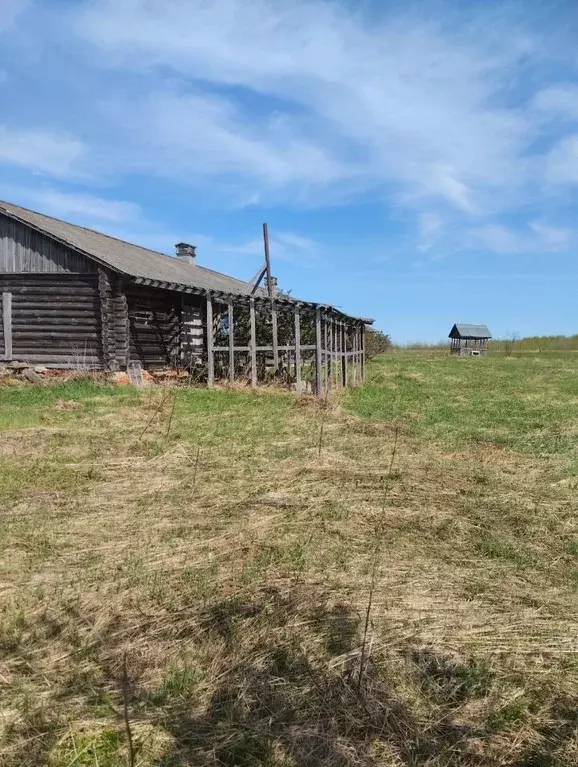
(55, 319)
(192, 335)
(154, 318)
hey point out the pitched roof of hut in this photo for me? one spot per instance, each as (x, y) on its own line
(467, 331)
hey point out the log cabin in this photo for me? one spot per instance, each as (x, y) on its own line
(73, 297)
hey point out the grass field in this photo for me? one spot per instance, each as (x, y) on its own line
(236, 578)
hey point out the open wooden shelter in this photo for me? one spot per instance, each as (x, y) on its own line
(471, 340)
(74, 297)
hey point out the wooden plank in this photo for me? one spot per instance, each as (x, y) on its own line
(7, 324)
(318, 354)
(253, 343)
(344, 353)
(354, 372)
(291, 348)
(121, 323)
(275, 336)
(362, 354)
(231, 341)
(210, 353)
(328, 353)
(297, 350)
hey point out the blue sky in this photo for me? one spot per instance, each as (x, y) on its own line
(417, 163)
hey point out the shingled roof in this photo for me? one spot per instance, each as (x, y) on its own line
(142, 264)
(467, 331)
(132, 260)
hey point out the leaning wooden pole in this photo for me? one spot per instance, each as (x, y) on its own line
(210, 351)
(318, 354)
(271, 293)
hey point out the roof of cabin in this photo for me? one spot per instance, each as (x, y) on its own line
(134, 260)
(467, 331)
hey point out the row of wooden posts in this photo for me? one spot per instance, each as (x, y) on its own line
(338, 354)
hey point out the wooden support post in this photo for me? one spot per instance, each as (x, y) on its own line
(275, 336)
(108, 335)
(231, 341)
(357, 371)
(344, 353)
(253, 343)
(326, 348)
(297, 350)
(210, 352)
(334, 367)
(318, 380)
(7, 324)
(354, 356)
(121, 323)
(362, 355)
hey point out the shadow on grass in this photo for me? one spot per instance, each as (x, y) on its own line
(291, 695)
(279, 687)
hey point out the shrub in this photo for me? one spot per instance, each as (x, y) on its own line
(376, 343)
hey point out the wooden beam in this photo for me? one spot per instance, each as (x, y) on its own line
(275, 336)
(334, 376)
(362, 354)
(328, 352)
(121, 323)
(344, 353)
(106, 319)
(297, 350)
(210, 340)
(318, 353)
(253, 343)
(231, 341)
(7, 324)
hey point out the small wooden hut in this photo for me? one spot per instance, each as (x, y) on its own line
(74, 297)
(470, 340)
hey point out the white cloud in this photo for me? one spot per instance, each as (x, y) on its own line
(283, 246)
(88, 206)
(552, 238)
(542, 238)
(562, 161)
(429, 227)
(359, 103)
(201, 135)
(558, 100)
(41, 151)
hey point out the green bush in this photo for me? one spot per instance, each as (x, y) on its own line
(376, 343)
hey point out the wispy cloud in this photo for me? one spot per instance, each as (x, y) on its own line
(558, 100)
(73, 204)
(284, 246)
(562, 161)
(537, 237)
(360, 102)
(311, 103)
(41, 151)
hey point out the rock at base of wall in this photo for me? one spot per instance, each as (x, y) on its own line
(32, 377)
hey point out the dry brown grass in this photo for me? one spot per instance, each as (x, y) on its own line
(230, 561)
